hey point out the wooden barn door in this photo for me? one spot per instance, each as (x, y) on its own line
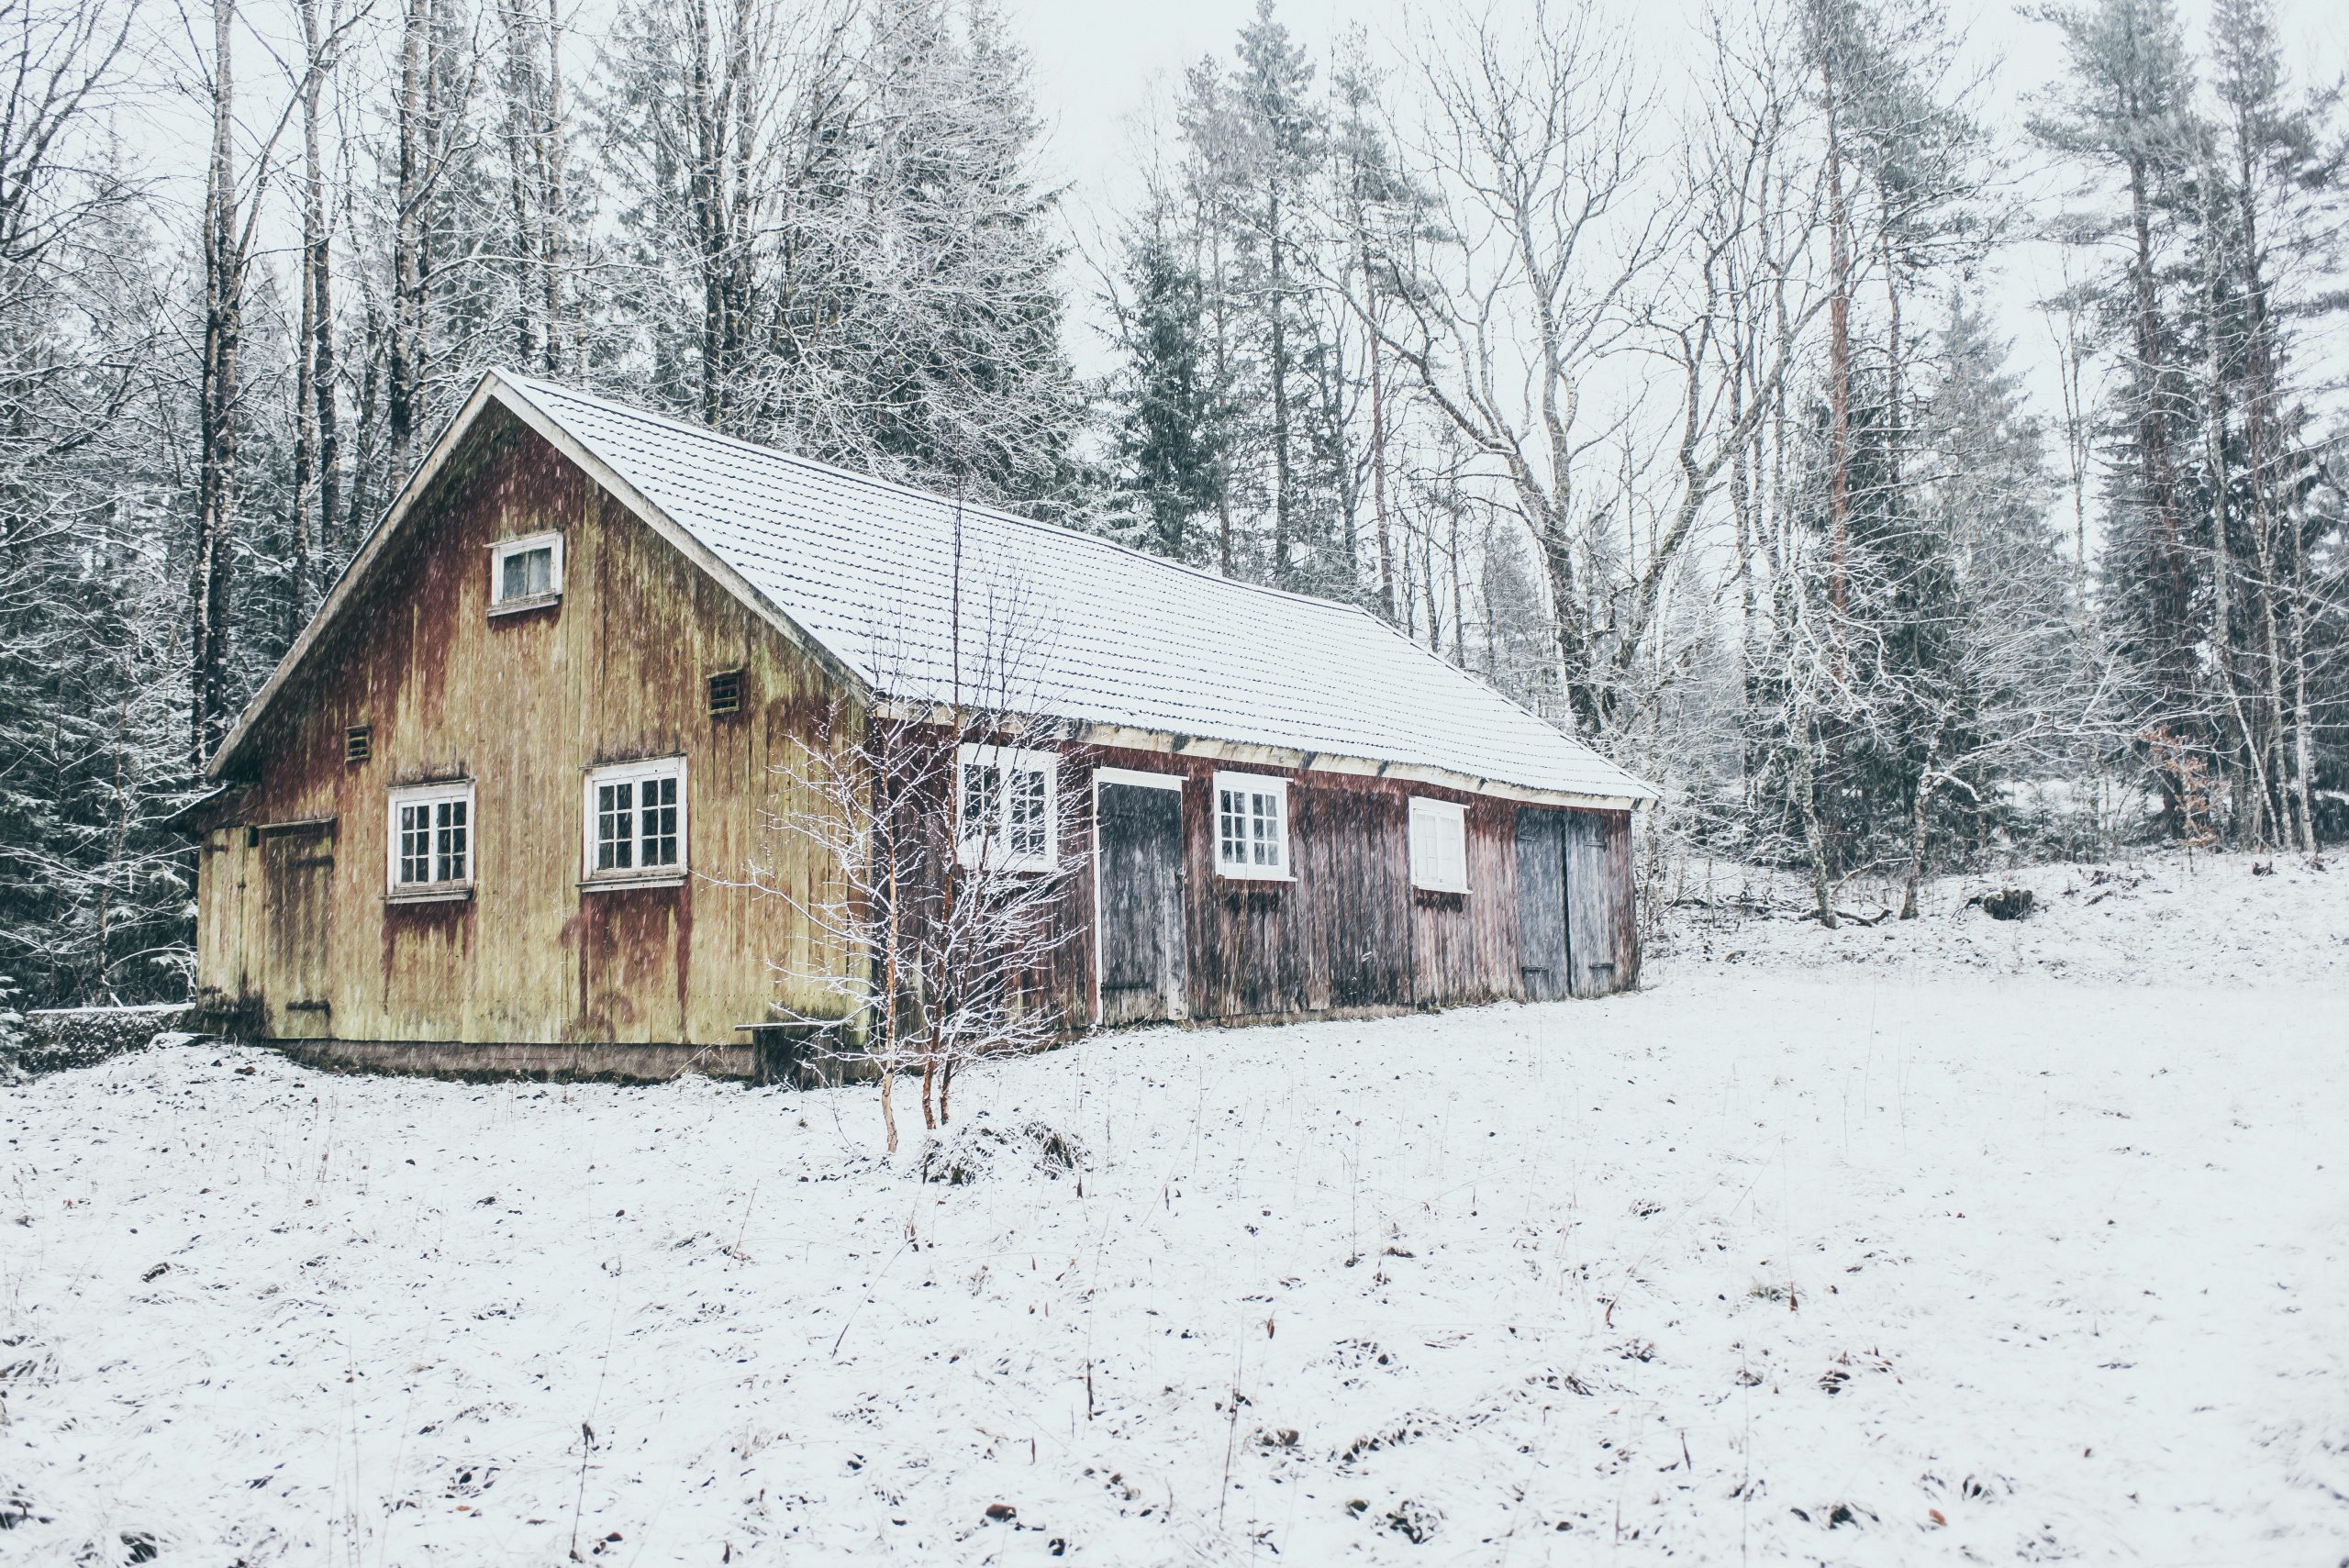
(1540, 905)
(297, 910)
(1138, 859)
(1599, 903)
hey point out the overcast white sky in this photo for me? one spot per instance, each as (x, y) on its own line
(1096, 59)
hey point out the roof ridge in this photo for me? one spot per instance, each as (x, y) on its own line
(529, 384)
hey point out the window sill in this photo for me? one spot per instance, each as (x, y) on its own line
(1223, 874)
(1432, 887)
(974, 860)
(618, 883)
(430, 895)
(524, 604)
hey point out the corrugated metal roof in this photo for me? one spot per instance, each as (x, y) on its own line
(1058, 622)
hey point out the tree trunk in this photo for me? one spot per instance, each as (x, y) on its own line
(1920, 815)
(554, 201)
(520, 135)
(404, 399)
(1839, 355)
(1378, 453)
(2157, 475)
(212, 567)
(319, 258)
(1281, 477)
(312, 495)
(1814, 834)
(2291, 764)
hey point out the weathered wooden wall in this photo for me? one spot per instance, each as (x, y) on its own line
(521, 704)
(1349, 934)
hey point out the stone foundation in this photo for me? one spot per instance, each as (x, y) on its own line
(568, 1063)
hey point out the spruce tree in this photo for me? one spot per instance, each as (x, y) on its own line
(1170, 415)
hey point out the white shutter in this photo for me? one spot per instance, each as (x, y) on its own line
(1439, 845)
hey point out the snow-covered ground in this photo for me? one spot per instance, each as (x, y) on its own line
(2198, 920)
(1995, 1241)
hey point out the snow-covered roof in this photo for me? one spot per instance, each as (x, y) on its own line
(1054, 621)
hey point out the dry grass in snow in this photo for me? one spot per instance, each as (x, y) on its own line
(1781, 1260)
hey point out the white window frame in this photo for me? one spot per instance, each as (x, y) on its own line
(504, 549)
(1248, 869)
(988, 844)
(429, 795)
(636, 875)
(1450, 818)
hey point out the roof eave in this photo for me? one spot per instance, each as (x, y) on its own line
(1131, 737)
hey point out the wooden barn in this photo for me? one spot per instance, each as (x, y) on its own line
(497, 808)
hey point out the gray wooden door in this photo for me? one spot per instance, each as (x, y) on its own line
(1593, 907)
(297, 907)
(1540, 905)
(1145, 972)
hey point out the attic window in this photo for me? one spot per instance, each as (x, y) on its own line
(726, 693)
(358, 742)
(525, 573)
(1440, 846)
(1252, 827)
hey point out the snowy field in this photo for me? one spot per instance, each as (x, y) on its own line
(1958, 1240)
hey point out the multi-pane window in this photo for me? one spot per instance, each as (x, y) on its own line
(1440, 846)
(1005, 803)
(635, 821)
(524, 573)
(431, 845)
(1252, 825)
(1027, 832)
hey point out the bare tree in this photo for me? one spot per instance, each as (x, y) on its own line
(438, 68)
(1530, 279)
(535, 138)
(949, 839)
(318, 439)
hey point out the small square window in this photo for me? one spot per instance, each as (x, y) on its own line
(1252, 827)
(525, 573)
(1005, 806)
(431, 841)
(635, 822)
(725, 693)
(358, 743)
(1440, 846)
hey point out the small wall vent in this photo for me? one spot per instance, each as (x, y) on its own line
(358, 742)
(726, 693)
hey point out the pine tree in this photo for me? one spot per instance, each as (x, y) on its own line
(2275, 213)
(2125, 113)
(956, 367)
(1172, 416)
(1279, 133)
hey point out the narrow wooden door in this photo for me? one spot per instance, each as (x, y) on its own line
(1540, 905)
(1594, 907)
(1138, 857)
(296, 908)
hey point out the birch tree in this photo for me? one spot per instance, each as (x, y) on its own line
(1536, 154)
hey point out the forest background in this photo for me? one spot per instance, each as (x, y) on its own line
(1913, 438)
